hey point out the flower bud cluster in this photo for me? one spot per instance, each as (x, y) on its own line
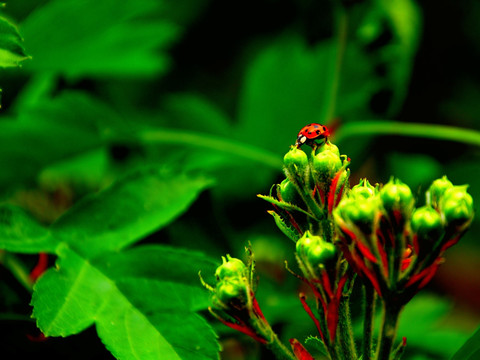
(233, 299)
(313, 186)
(394, 246)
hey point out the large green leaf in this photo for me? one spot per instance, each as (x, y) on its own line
(58, 128)
(286, 87)
(139, 315)
(130, 209)
(470, 350)
(98, 38)
(143, 301)
(11, 47)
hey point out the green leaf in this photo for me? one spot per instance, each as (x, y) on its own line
(315, 345)
(196, 114)
(20, 233)
(58, 128)
(286, 229)
(470, 350)
(143, 300)
(99, 38)
(141, 315)
(130, 209)
(12, 52)
(287, 86)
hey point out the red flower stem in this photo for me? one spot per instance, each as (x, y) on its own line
(310, 313)
(40, 268)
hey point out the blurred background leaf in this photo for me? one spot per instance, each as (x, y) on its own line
(218, 89)
(90, 38)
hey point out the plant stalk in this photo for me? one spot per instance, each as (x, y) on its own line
(346, 330)
(389, 331)
(369, 316)
(279, 349)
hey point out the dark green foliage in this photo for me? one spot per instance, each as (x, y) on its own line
(135, 134)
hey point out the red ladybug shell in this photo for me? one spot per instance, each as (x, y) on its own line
(310, 133)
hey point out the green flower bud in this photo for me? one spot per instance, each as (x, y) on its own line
(456, 205)
(288, 192)
(305, 242)
(327, 164)
(328, 146)
(321, 253)
(427, 224)
(313, 250)
(231, 267)
(295, 158)
(436, 191)
(231, 290)
(397, 196)
(363, 190)
(361, 212)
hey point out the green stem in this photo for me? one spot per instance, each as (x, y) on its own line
(389, 331)
(346, 330)
(280, 350)
(431, 131)
(369, 316)
(12, 263)
(212, 142)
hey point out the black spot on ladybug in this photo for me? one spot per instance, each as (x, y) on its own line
(318, 132)
(324, 128)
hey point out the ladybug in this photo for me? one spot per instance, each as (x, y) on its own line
(310, 133)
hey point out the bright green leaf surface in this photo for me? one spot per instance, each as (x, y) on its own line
(157, 305)
(130, 209)
(98, 38)
(20, 233)
(11, 49)
(67, 299)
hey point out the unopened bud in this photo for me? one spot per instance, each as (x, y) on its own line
(231, 291)
(457, 205)
(397, 198)
(361, 212)
(314, 250)
(427, 225)
(327, 164)
(328, 146)
(231, 267)
(436, 191)
(363, 190)
(295, 158)
(288, 192)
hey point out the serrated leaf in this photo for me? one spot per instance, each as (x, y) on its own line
(470, 350)
(130, 209)
(284, 205)
(12, 52)
(98, 38)
(145, 315)
(20, 233)
(287, 230)
(315, 345)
